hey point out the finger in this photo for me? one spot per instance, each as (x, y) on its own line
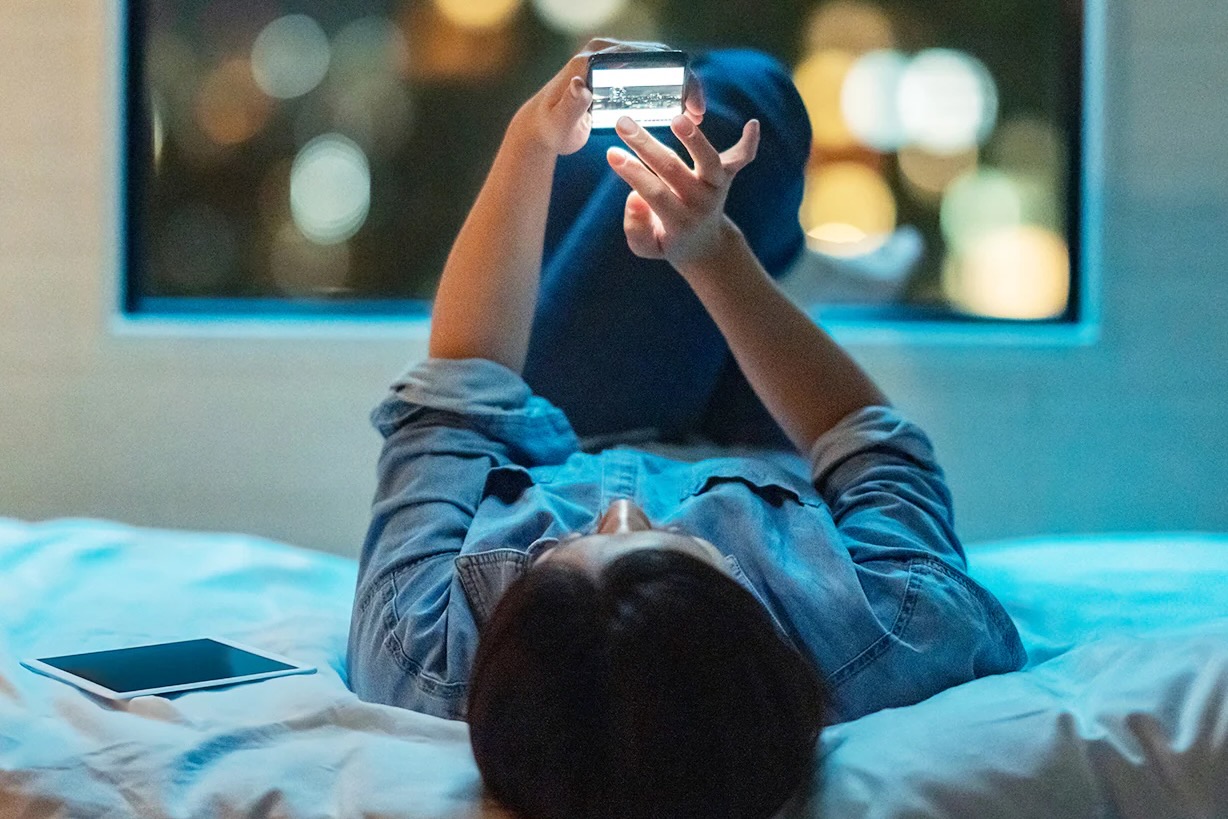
(663, 162)
(638, 225)
(695, 104)
(742, 153)
(644, 182)
(575, 99)
(708, 167)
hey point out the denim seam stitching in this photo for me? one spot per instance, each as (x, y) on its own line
(877, 648)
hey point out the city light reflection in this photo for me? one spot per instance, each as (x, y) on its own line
(980, 203)
(290, 56)
(947, 101)
(850, 25)
(820, 81)
(229, 107)
(330, 189)
(478, 14)
(578, 18)
(927, 176)
(869, 99)
(847, 209)
(1018, 272)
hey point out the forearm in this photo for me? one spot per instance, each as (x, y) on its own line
(804, 378)
(488, 291)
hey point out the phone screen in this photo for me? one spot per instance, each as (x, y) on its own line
(650, 95)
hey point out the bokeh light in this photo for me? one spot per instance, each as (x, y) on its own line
(980, 203)
(159, 130)
(869, 99)
(820, 80)
(849, 25)
(574, 17)
(230, 108)
(197, 248)
(1029, 145)
(948, 101)
(290, 56)
(444, 51)
(301, 267)
(927, 176)
(1020, 272)
(847, 209)
(637, 22)
(372, 44)
(330, 189)
(478, 14)
(367, 96)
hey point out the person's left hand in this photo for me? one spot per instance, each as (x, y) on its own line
(673, 212)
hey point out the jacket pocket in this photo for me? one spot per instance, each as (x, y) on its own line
(773, 484)
(485, 576)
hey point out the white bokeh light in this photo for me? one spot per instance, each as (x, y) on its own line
(869, 99)
(290, 56)
(980, 202)
(330, 189)
(574, 17)
(948, 101)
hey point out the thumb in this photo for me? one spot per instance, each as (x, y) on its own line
(637, 224)
(575, 101)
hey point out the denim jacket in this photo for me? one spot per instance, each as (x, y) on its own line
(857, 563)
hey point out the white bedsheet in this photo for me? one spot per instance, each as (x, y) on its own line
(1130, 722)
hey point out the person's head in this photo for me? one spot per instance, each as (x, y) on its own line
(627, 674)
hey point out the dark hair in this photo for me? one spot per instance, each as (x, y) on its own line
(660, 688)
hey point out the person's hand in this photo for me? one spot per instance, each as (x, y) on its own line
(557, 118)
(674, 212)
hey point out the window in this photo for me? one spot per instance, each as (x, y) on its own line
(311, 157)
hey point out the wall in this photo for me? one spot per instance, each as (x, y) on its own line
(269, 435)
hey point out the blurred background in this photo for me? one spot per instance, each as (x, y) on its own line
(260, 426)
(327, 153)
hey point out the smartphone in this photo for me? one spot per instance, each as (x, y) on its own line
(647, 86)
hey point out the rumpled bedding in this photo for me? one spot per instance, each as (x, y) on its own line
(1123, 710)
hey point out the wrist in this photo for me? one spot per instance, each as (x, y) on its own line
(525, 137)
(728, 246)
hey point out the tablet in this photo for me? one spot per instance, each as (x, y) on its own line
(165, 668)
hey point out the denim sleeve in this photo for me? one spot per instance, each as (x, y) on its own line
(890, 503)
(888, 497)
(446, 424)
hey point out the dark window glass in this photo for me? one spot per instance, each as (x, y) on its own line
(290, 156)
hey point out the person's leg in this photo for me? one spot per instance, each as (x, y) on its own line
(621, 343)
(766, 209)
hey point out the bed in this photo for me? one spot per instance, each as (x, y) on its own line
(1122, 710)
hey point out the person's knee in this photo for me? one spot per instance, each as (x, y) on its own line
(741, 84)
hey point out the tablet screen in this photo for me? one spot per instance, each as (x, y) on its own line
(158, 666)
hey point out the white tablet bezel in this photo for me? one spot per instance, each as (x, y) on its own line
(102, 691)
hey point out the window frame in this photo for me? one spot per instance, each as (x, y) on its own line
(1083, 52)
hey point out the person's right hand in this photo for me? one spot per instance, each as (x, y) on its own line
(674, 212)
(557, 117)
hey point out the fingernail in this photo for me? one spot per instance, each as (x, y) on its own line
(625, 125)
(577, 87)
(616, 156)
(683, 126)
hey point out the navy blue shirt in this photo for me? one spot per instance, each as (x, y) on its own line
(853, 554)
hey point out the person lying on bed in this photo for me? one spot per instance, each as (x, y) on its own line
(637, 631)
